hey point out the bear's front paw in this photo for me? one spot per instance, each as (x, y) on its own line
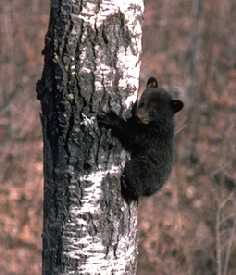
(106, 119)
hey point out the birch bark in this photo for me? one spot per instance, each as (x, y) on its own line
(92, 57)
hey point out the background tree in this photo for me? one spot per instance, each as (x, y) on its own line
(91, 64)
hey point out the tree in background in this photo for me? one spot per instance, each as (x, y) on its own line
(92, 55)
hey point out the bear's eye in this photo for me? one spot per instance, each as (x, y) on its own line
(154, 106)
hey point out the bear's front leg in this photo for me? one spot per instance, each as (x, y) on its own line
(116, 124)
(109, 120)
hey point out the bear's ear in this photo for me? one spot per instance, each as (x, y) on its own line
(152, 82)
(177, 105)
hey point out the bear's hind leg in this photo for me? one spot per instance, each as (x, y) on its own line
(132, 181)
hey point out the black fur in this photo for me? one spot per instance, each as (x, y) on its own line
(149, 136)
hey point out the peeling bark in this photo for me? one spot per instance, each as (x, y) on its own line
(92, 53)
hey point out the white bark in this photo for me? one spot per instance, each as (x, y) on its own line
(102, 55)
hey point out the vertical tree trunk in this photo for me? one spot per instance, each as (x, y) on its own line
(194, 86)
(92, 58)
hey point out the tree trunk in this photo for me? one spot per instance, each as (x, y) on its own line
(92, 56)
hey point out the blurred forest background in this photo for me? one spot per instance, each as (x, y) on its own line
(189, 228)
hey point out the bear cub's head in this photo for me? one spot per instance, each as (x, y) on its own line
(156, 104)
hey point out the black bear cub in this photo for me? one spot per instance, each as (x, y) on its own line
(149, 136)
